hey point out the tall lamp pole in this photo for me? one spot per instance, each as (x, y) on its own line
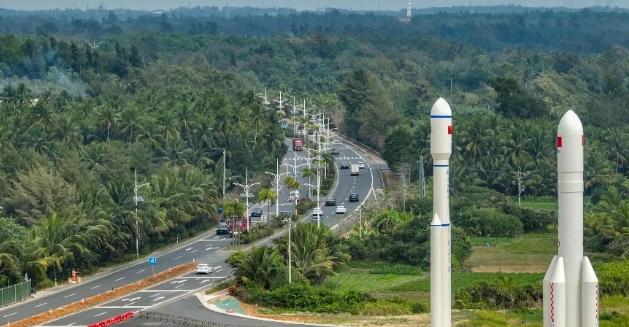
(224, 172)
(277, 176)
(137, 199)
(247, 187)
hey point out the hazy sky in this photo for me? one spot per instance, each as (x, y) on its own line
(298, 4)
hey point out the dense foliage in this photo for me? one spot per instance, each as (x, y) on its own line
(68, 164)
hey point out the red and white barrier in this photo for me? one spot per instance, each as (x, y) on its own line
(114, 320)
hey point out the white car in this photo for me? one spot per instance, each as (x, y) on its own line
(317, 212)
(203, 268)
(361, 165)
(341, 209)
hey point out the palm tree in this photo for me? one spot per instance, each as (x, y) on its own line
(268, 195)
(292, 185)
(234, 209)
(259, 266)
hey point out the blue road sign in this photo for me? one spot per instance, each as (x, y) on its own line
(283, 124)
(152, 260)
(220, 211)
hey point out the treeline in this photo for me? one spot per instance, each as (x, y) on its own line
(68, 165)
(587, 31)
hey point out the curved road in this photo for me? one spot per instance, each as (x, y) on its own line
(205, 249)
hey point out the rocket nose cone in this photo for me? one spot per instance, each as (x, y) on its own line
(587, 271)
(436, 221)
(441, 108)
(570, 124)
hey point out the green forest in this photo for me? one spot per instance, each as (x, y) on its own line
(85, 106)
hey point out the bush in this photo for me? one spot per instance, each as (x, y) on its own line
(489, 222)
(303, 207)
(306, 298)
(614, 278)
(490, 296)
(258, 232)
(393, 307)
(532, 220)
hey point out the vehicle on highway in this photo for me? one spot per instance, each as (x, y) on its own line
(256, 212)
(317, 212)
(203, 268)
(222, 228)
(330, 202)
(344, 165)
(334, 151)
(294, 195)
(298, 145)
(354, 170)
(361, 165)
(341, 210)
(353, 197)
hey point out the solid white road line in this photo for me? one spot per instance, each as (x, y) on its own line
(159, 298)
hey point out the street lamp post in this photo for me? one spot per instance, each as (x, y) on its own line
(137, 199)
(224, 172)
(277, 176)
(247, 187)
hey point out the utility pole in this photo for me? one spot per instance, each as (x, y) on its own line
(247, 187)
(360, 221)
(137, 199)
(277, 176)
(422, 178)
(404, 173)
(224, 172)
(519, 176)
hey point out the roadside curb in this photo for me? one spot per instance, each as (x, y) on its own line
(205, 298)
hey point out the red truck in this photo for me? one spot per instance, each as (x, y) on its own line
(298, 145)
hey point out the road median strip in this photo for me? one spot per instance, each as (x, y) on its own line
(54, 314)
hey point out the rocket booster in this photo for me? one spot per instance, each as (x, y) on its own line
(570, 284)
(441, 149)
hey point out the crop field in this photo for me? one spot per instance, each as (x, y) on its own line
(529, 253)
(368, 282)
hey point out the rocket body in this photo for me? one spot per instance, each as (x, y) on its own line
(441, 150)
(436, 271)
(579, 282)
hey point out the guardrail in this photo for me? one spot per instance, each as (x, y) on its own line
(185, 321)
(15, 293)
(356, 143)
(114, 320)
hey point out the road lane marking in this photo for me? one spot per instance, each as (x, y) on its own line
(159, 298)
(177, 257)
(10, 315)
(188, 249)
(67, 296)
(119, 279)
(39, 305)
(100, 314)
(111, 307)
(140, 271)
(178, 286)
(194, 251)
(97, 286)
(155, 294)
(129, 304)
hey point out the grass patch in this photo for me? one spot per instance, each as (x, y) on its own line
(461, 280)
(367, 282)
(485, 318)
(546, 206)
(529, 253)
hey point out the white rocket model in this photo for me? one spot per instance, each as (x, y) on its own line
(440, 232)
(570, 284)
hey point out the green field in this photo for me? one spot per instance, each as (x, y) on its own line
(365, 282)
(529, 253)
(462, 279)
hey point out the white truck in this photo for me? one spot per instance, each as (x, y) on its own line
(354, 169)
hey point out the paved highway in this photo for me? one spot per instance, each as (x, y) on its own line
(205, 250)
